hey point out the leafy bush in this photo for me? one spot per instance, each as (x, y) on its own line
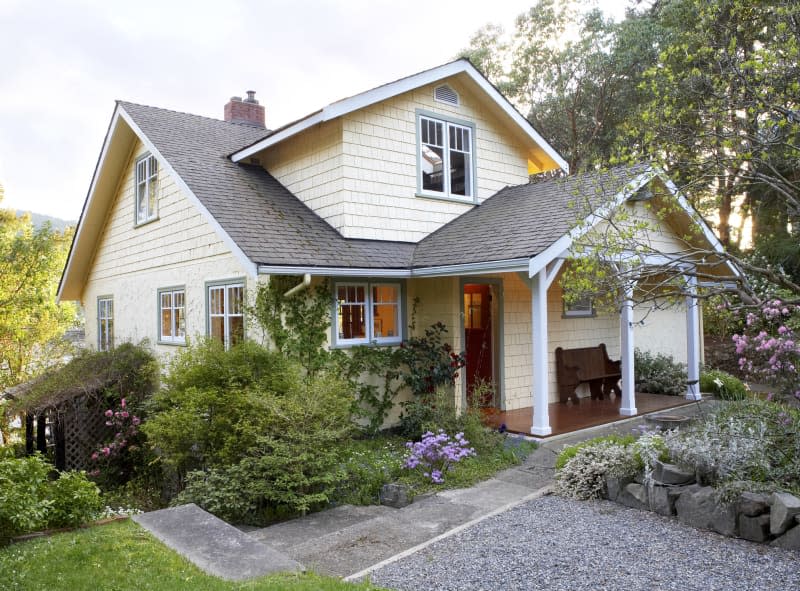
(366, 465)
(570, 451)
(430, 360)
(722, 384)
(30, 501)
(658, 373)
(210, 408)
(289, 462)
(583, 475)
(751, 440)
(75, 500)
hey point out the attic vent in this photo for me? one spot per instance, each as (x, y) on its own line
(445, 94)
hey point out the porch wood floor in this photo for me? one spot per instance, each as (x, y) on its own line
(565, 418)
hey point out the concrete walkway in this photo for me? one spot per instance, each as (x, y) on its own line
(350, 541)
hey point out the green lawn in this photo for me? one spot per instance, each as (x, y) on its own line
(122, 556)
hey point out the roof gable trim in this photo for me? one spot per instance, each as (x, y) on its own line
(387, 91)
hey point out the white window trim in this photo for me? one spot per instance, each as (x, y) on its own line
(105, 342)
(569, 312)
(369, 303)
(447, 122)
(151, 177)
(171, 339)
(226, 315)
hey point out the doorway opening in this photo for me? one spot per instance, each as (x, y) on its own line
(481, 344)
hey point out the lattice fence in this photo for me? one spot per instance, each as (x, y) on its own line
(84, 429)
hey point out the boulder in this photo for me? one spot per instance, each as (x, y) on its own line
(615, 486)
(671, 474)
(784, 508)
(662, 500)
(395, 495)
(634, 495)
(752, 504)
(790, 540)
(754, 528)
(699, 508)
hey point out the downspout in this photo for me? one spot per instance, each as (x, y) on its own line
(300, 286)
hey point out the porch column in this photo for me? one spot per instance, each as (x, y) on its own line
(539, 381)
(628, 406)
(692, 342)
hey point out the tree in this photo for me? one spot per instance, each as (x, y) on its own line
(574, 72)
(722, 117)
(31, 322)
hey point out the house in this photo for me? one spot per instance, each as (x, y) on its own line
(415, 189)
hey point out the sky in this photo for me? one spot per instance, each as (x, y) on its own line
(64, 62)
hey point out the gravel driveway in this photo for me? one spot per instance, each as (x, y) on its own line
(556, 544)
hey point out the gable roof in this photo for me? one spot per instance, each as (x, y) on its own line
(381, 93)
(521, 221)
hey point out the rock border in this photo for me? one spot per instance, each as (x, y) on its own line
(767, 519)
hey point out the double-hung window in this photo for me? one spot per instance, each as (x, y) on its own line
(105, 323)
(146, 188)
(172, 316)
(446, 152)
(226, 313)
(368, 312)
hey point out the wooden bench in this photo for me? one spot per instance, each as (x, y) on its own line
(588, 365)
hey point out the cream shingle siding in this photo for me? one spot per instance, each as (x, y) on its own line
(131, 263)
(310, 166)
(360, 172)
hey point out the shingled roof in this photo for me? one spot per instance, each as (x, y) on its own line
(270, 224)
(522, 220)
(275, 228)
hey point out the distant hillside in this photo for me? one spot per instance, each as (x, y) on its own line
(39, 219)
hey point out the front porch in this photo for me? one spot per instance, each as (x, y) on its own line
(566, 418)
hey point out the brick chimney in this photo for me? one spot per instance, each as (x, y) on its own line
(247, 111)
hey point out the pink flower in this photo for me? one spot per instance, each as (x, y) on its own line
(95, 456)
(124, 414)
(135, 420)
(106, 451)
(109, 413)
(122, 403)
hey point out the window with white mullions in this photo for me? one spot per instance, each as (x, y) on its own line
(367, 312)
(226, 313)
(105, 323)
(173, 316)
(146, 188)
(445, 158)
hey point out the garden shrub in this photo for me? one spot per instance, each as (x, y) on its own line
(570, 451)
(289, 463)
(30, 500)
(436, 453)
(722, 384)
(366, 465)
(210, 407)
(583, 475)
(658, 373)
(751, 440)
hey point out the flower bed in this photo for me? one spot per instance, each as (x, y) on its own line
(735, 471)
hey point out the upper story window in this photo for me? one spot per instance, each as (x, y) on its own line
(446, 158)
(105, 323)
(226, 313)
(146, 188)
(367, 312)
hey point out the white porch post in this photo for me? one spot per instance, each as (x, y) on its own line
(628, 406)
(692, 342)
(539, 381)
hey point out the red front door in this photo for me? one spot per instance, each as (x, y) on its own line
(478, 337)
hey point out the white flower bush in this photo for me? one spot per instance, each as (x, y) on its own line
(583, 476)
